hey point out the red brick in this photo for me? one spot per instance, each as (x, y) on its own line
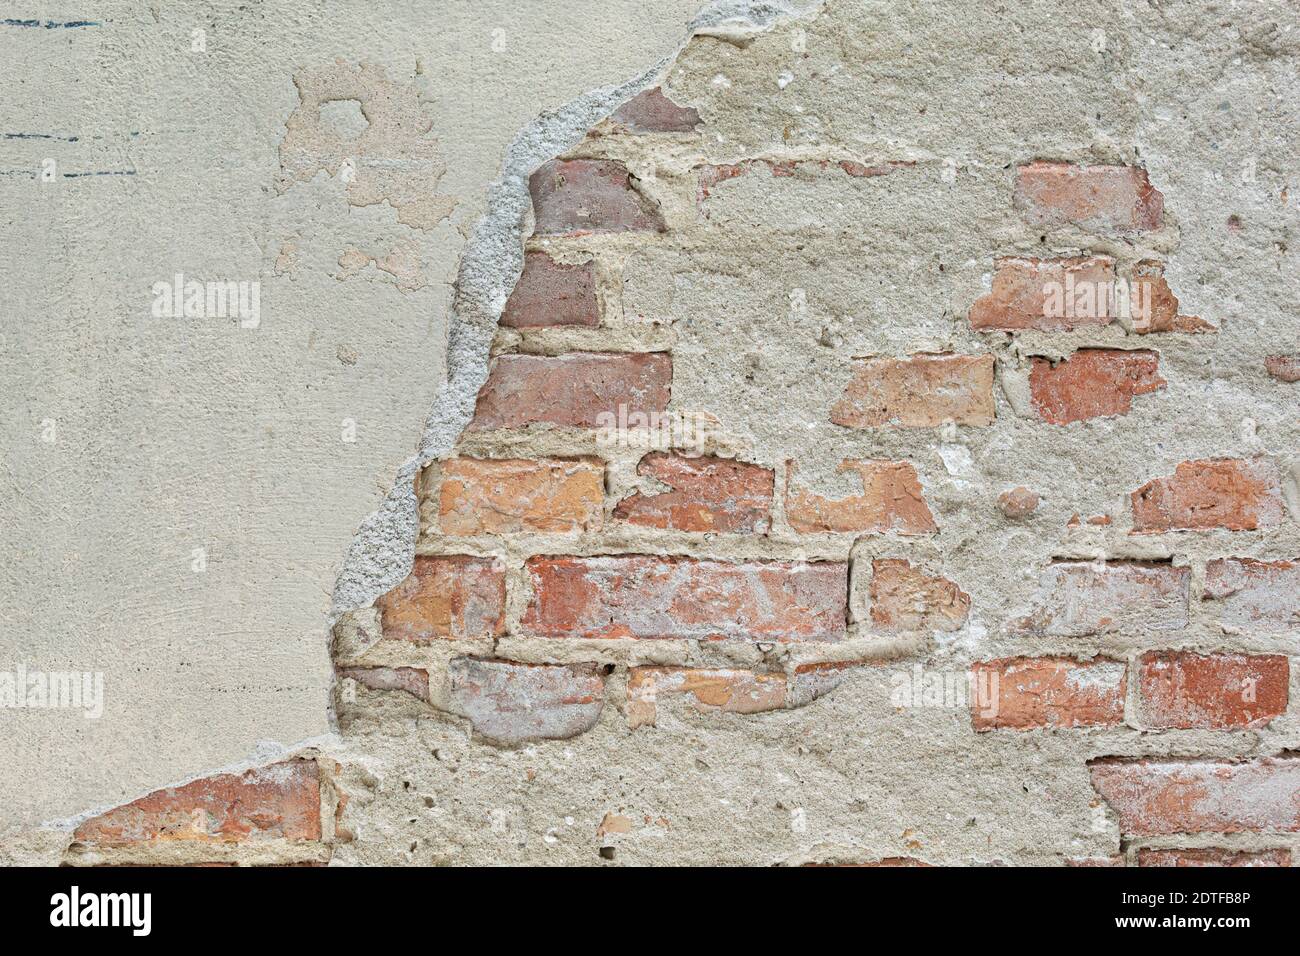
(1018, 502)
(590, 195)
(1092, 383)
(1258, 595)
(1231, 493)
(707, 689)
(503, 496)
(891, 501)
(281, 801)
(412, 680)
(653, 597)
(708, 494)
(552, 293)
(1033, 693)
(1103, 199)
(652, 112)
(459, 598)
(1022, 296)
(1213, 856)
(1284, 368)
(511, 703)
(904, 600)
(1181, 690)
(1154, 307)
(1160, 797)
(1079, 598)
(578, 390)
(918, 392)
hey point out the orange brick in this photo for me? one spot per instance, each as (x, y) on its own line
(643, 596)
(891, 501)
(1284, 368)
(1104, 199)
(1092, 383)
(510, 495)
(903, 599)
(707, 689)
(1260, 595)
(1022, 295)
(1042, 692)
(1231, 493)
(1159, 797)
(1180, 690)
(460, 598)
(708, 494)
(918, 392)
(281, 801)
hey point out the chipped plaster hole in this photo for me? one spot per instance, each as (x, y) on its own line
(343, 118)
(607, 853)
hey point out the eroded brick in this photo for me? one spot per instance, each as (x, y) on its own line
(1032, 693)
(1182, 690)
(811, 681)
(511, 703)
(281, 801)
(1160, 797)
(1284, 368)
(457, 597)
(580, 390)
(1255, 594)
(708, 494)
(1031, 294)
(1078, 598)
(1232, 493)
(1213, 856)
(652, 112)
(590, 195)
(1154, 307)
(502, 496)
(918, 392)
(1018, 502)
(1092, 383)
(904, 599)
(412, 680)
(640, 596)
(892, 500)
(707, 689)
(551, 293)
(1104, 199)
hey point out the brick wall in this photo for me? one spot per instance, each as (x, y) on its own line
(830, 499)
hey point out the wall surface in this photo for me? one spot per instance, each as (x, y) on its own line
(887, 454)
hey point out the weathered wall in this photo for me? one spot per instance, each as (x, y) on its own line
(821, 250)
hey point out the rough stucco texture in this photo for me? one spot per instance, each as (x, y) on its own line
(981, 547)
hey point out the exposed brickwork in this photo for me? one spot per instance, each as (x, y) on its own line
(1018, 300)
(1215, 691)
(1033, 693)
(574, 390)
(511, 703)
(461, 598)
(640, 596)
(919, 392)
(903, 598)
(652, 112)
(892, 500)
(1080, 598)
(1259, 595)
(1284, 368)
(735, 691)
(1159, 797)
(1103, 199)
(1018, 502)
(281, 801)
(552, 293)
(590, 195)
(502, 497)
(1150, 856)
(412, 680)
(708, 494)
(1092, 383)
(1235, 494)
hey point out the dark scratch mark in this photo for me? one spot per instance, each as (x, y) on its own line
(65, 139)
(103, 172)
(51, 24)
